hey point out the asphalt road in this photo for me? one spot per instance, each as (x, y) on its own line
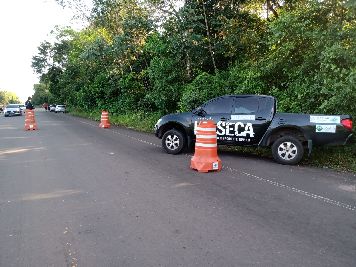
(72, 194)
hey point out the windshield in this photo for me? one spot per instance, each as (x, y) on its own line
(12, 106)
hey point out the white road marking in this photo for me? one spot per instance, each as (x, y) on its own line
(296, 190)
(182, 185)
(126, 135)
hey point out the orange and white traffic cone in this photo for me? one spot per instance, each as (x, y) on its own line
(206, 150)
(104, 120)
(30, 122)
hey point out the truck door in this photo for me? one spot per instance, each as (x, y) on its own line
(219, 110)
(250, 118)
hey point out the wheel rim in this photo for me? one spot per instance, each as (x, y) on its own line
(172, 142)
(287, 150)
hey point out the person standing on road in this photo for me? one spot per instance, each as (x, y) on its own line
(28, 103)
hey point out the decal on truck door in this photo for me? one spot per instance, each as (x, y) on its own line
(324, 119)
(323, 128)
(243, 117)
(234, 131)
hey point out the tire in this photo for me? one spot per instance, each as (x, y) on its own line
(287, 150)
(173, 141)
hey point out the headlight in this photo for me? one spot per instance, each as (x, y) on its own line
(158, 121)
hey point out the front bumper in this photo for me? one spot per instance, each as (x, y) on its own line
(156, 129)
(13, 113)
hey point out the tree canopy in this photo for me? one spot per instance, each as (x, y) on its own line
(159, 56)
(7, 97)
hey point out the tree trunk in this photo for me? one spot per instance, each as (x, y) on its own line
(271, 8)
(209, 42)
(188, 66)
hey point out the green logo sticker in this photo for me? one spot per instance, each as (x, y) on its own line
(326, 128)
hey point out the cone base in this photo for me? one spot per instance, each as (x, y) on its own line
(31, 127)
(205, 165)
(104, 125)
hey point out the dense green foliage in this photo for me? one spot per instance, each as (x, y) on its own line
(7, 97)
(154, 57)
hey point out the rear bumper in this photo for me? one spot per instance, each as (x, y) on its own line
(348, 139)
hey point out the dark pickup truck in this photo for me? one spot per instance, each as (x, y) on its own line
(252, 120)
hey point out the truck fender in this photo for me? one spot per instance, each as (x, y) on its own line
(270, 136)
(171, 125)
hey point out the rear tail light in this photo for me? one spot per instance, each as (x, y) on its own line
(347, 123)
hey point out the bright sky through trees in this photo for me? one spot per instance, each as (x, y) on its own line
(24, 24)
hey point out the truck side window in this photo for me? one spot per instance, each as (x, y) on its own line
(219, 105)
(245, 105)
(265, 106)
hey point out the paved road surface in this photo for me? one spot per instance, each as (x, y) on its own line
(72, 194)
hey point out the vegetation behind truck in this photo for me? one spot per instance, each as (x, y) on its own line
(252, 120)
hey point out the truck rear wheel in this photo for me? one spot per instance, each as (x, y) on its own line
(287, 150)
(173, 141)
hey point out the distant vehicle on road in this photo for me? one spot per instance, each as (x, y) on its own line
(45, 106)
(252, 120)
(60, 108)
(52, 108)
(12, 110)
(23, 108)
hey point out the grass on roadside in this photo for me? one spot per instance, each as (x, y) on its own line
(138, 121)
(342, 158)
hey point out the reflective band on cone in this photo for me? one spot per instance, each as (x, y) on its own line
(205, 129)
(206, 136)
(206, 156)
(205, 145)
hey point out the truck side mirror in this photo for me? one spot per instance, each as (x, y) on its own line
(199, 111)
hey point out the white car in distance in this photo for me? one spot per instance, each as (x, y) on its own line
(60, 108)
(12, 110)
(23, 108)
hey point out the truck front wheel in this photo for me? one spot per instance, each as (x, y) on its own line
(173, 141)
(287, 150)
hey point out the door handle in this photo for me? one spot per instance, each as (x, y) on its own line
(260, 119)
(223, 119)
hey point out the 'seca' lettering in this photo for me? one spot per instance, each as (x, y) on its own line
(220, 128)
(249, 130)
(195, 127)
(235, 129)
(229, 129)
(239, 132)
